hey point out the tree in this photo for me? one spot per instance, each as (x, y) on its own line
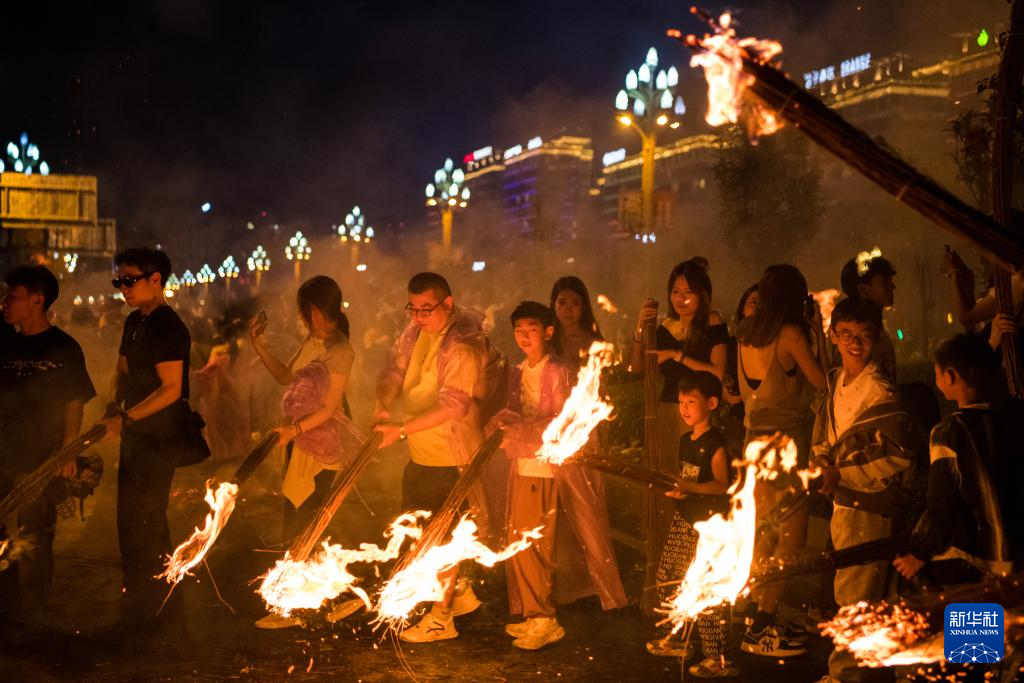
(769, 196)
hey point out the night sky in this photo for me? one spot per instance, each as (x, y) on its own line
(303, 109)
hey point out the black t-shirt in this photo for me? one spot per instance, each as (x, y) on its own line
(695, 465)
(39, 375)
(698, 347)
(147, 340)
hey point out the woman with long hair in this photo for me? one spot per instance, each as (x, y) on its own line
(575, 326)
(775, 363)
(691, 338)
(319, 438)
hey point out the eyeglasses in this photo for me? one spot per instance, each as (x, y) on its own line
(129, 280)
(846, 337)
(421, 312)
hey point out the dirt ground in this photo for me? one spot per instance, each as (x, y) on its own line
(225, 645)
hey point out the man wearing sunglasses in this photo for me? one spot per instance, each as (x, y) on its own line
(151, 383)
(44, 386)
(443, 368)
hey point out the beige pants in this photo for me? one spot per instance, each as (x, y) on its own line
(869, 581)
(534, 503)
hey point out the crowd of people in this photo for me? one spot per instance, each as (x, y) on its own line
(889, 463)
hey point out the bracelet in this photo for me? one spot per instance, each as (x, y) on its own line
(402, 436)
(298, 429)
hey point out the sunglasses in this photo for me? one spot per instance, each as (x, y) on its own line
(129, 280)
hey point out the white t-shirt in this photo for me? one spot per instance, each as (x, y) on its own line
(854, 398)
(530, 391)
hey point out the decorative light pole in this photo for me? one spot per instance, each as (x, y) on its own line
(354, 231)
(205, 276)
(172, 285)
(649, 102)
(298, 250)
(188, 279)
(228, 270)
(258, 262)
(24, 158)
(70, 261)
(448, 194)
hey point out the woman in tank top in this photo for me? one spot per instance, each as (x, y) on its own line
(775, 363)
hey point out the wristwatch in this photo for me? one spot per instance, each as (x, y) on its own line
(402, 436)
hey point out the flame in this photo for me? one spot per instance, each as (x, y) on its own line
(422, 580)
(292, 585)
(884, 635)
(725, 548)
(721, 565)
(582, 412)
(722, 61)
(194, 549)
(826, 300)
(606, 305)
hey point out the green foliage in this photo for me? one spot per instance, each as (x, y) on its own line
(769, 193)
(972, 132)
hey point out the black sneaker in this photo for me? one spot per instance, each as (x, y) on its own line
(770, 643)
(792, 631)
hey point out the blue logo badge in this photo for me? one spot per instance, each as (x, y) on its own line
(974, 632)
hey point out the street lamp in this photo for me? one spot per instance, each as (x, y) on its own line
(205, 276)
(649, 102)
(188, 279)
(24, 158)
(448, 194)
(258, 262)
(354, 231)
(228, 270)
(70, 261)
(172, 285)
(298, 250)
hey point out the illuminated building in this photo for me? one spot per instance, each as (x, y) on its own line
(907, 103)
(45, 214)
(535, 189)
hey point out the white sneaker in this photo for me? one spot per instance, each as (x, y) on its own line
(429, 629)
(518, 630)
(273, 622)
(465, 600)
(344, 609)
(542, 631)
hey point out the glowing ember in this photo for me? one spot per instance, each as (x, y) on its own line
(606, 305)
(292, 585)
(722, 61)
(826, 300)
(721, 565)
(582, 412)
(190, 553)
(884, 635)
(422, 580)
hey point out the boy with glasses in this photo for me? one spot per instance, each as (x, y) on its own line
(860, 442)
(443, 369)
(44, 387)
(151, 382)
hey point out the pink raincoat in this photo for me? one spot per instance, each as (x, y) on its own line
(465, 433)
(333, 443)
(586, 557)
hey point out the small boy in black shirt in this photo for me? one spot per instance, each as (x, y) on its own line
(701, 493)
